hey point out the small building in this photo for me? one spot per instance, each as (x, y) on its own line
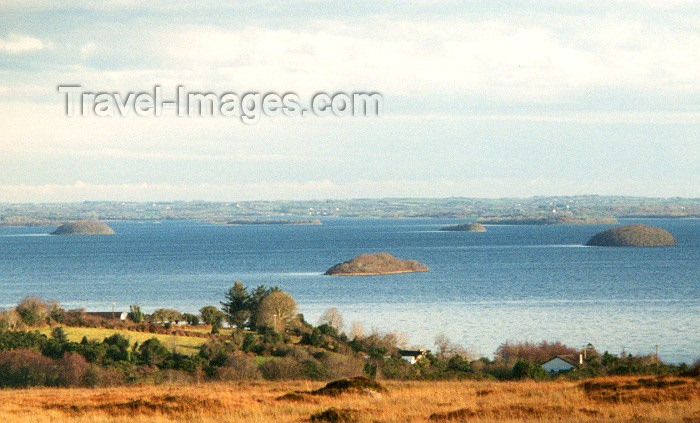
(413, 356)
(562, 363)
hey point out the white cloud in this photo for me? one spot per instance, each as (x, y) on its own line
(447, 81)
(15, 43)
(88, 49)
(538, 60)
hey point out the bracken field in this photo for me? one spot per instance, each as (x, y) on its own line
(610, 399)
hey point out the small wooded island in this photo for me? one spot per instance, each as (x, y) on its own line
(633, 236)
(376, 264)
(84, 227)
(465, 227)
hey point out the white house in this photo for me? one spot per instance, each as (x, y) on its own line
(413, 356)
(562, 363)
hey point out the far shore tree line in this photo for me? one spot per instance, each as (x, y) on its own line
(267, 339)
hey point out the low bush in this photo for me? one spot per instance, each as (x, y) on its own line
(239, 367)
(23, 368)
(281, 368)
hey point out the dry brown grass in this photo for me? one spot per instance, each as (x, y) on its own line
(620, 399)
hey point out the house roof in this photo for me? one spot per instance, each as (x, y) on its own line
(412, 353)
(569, 358)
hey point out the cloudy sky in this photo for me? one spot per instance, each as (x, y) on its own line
(480, 100)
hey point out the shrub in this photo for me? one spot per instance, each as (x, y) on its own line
(333, 319)
(93, 351)
(212, 316)
(189, 363)
(335, 415)
(74, 317)
(524, 369)
(101, 376)
(536, 353)
(117, 347)
(152, 352)
(239, 367)
(24, 368)
(9, 319)
(33, 311)
(191, 319)
(59, 334)
(72, 370)
(55, 312)
(281, 368)
(166, 315)
(356, 385)
(10, 340)
(215, 350)
(397, 368)
(342, 366)
(458, 363)
(248, 342)
(135, 314)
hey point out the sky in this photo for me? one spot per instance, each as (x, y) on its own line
(481, 99)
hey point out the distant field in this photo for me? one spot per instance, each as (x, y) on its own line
(619, 399)
(182, 344)
(207, 329)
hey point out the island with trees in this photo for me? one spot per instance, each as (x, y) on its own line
(376, 264)
(465, 227)
(633, 236)
(84, 227)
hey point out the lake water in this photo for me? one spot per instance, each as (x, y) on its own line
(510, 283)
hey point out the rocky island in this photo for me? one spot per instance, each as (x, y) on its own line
(465, 227)
(633, 236)
(548, 220)
(84, 227)
(376, 264)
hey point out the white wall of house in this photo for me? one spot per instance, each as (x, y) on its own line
(557, 365)
(411, 359)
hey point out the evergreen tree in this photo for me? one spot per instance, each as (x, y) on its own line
(135, 314)
(237, 305)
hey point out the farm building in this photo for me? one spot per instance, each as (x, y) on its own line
(562, 363)
(413, 356)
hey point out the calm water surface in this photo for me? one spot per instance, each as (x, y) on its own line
(510, 283)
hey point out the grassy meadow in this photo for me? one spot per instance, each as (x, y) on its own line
(611, 399)
(182, 344)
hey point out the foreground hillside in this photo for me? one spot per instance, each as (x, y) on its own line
(618, 399)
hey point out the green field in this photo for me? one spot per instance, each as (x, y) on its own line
(182, 344)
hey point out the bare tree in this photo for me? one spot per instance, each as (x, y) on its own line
(33, 311)
(357, 330)
(276, 310)
(402, 340)
(447, 349)
(332, 318)
(442, 342)
(9, 319)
